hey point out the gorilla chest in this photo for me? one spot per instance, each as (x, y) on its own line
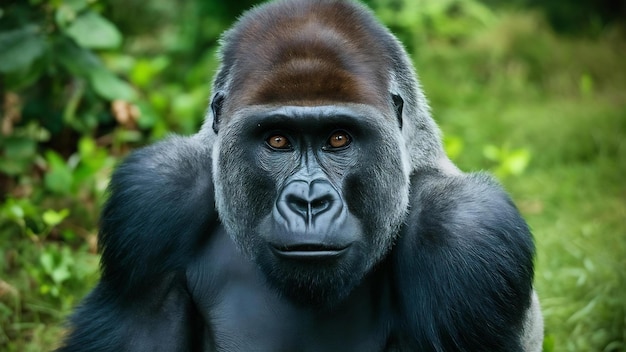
(241, 313)
(243, 321)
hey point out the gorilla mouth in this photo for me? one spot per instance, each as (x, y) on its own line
(308, 251)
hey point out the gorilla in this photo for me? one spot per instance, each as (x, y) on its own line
(315, 210)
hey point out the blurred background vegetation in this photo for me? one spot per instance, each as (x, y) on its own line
(534, 91)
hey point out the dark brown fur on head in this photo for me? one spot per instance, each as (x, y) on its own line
(306, 53)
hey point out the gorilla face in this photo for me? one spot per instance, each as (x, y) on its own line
(310, 161)
(313, 194)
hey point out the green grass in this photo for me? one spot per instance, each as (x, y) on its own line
(575, 200)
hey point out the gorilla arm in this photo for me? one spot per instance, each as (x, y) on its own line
(464, 268)
(160, 208)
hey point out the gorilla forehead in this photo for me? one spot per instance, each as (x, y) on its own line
(307, 53)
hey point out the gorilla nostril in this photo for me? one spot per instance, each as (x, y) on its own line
(297, 204)
(320, 205)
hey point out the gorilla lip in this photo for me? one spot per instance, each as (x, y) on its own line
(308, 251)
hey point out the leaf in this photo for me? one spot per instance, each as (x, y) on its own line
(60, 274)
(87, 147)
(18, 155)
(66, 12)
(77, 60)
(25, 76)
(491, 152)
(15, 212)
(144, 71)
(517, 161)
(147, 117)
(47, 261)
(53, 218)
(59, 178)
(76, 5)
(17, 147)
(20, 47)
(94, 31)
(109, 86)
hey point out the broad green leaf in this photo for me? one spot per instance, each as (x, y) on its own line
(144, 71)
(109, 86)
(20, 47)
(94, 31)
(491, 152)
(15, 211)
(87, 147)
(67, 11)
(77, 60)
(59, 178)
(53, 218)
(76, 5)
(59, 181)
(19, 147)
(47, 261)
(60, 274)
(25, 76)
(148, 117)
(517, 161)
(17, 155)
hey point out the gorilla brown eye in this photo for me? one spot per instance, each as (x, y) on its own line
(339, 139)
(278, 142)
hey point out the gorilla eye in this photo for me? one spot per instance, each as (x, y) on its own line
(339, 139)
(278, 142)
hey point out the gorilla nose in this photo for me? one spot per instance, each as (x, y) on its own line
(312, 206)
(309, 200)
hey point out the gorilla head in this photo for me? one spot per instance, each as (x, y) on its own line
(318, 126)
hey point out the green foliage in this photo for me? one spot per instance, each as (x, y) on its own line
(20, 148)
(90, 30)
(44, 46)
(20, 48)
(582, 17)
(76, 96)
(510, 162)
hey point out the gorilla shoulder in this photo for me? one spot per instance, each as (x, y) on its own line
(160, 202)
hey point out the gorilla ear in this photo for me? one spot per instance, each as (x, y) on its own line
(398, 102)
(216, 108)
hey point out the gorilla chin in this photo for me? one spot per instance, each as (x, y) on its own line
(315, 277)
(316, 267)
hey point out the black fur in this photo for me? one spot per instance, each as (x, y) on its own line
(469, 255)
